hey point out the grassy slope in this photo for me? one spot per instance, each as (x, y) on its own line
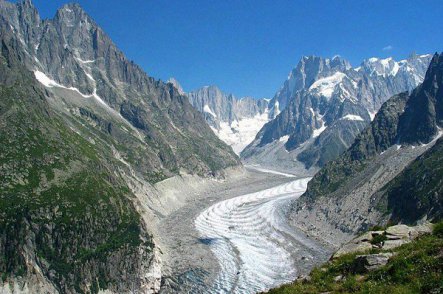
(417, 267)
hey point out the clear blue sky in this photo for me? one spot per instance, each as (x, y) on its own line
(248, 47)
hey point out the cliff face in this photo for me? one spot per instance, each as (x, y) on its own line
(85, 133)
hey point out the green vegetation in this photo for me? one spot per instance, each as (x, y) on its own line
(379, 239)
(416, 267)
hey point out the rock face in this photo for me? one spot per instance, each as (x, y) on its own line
(391, 171)
(85, 133)
(325, 104)
(235, 121)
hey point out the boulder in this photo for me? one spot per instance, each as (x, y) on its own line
(366, 237)
(398, 232)
(419, 230)
(366, 263)
(338, 278)
(352, 248)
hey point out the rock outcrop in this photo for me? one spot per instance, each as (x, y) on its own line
(387, 239)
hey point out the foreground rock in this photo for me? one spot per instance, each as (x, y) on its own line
(390, 238)
(415, 268)
(370, 262)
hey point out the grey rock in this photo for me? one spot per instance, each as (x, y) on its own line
(338, 278)
(366, 263)
(353, 248)
(398, 232)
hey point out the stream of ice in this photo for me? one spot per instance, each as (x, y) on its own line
(251, 239)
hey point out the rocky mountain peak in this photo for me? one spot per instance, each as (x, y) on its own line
(338, 62)
(71, 12)
(308, 70)
(26, 5)
(177, 85)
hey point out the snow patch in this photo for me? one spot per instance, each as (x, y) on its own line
(207, 109)
(284, 139)
(352, 117)
(45, 80)
(318, 131)
(276, 108)
(312, 111)
(326, 86)
(85, 61)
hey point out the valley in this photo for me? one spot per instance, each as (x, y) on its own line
(234, 238)
(116, 181)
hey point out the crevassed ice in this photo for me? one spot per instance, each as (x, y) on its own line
(251, 240)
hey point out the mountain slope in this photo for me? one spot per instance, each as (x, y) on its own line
(326, 103)
(86, 134)
(65, 216)
(418, 190)
(70, 52)
(382, 175)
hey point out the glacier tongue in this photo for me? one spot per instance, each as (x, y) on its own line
(252, 241)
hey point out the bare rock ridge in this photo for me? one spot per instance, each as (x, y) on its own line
(85, 134)
(392, 171)
(325, 103)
